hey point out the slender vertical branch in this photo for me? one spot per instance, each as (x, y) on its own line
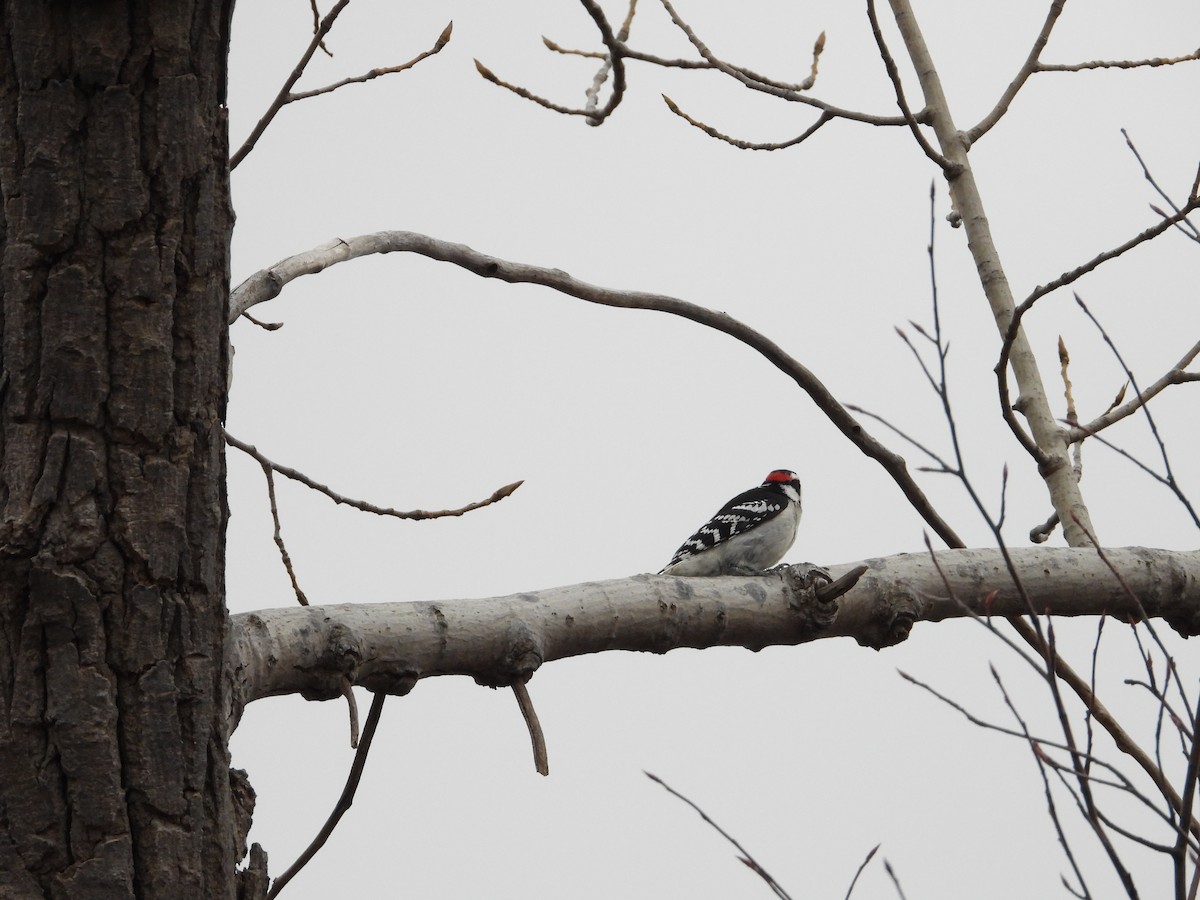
(1032, 402)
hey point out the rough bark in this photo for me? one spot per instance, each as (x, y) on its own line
(115, 245)
(390, 646)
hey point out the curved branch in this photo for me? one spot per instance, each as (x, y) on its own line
(747, 145)
(615, 56)
(267, 284)
(792, 93)
(1030, 66)
(281, 98)
(950, 169)
(270, 465)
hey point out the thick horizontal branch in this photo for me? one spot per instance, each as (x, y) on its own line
(390, 646)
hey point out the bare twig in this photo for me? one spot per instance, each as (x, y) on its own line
(747, 858)
(747, 77)
(345, 801)
(265, 326)
(1118, 63)
(286, 471)
(278, 535)
(898, 86)
(887, 867)
(1014, 324)
(1189, 795)
(747, 145)
(1119, 736)
(614, 55)
(316, 14)
(1186, 225)
(1177, 374)
(1079, 271)
(1119, 780)
(348, 693)
(942, 465)
(540, 760)
(281, 97)
(870, 856)
(286, 95)
(1051, 807)
(1030, 66)
(442, 40)
(267, 284)
(1171, 482)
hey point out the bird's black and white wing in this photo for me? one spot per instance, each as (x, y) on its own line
(749, 533)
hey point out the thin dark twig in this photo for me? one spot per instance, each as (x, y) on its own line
(1116, 732)
(316, 14)
(278, 535)
(870, 855)
(746, 856)
(615, 54)
(1161, 696)
(345, 801)
(281, 97)
(442, 40)
(1162, 447)
(943, 466)
(894, 75)
(1090, 739)
(748, 145)
(1186, 225)
(887, 867)
(1051, 806)
(1189, 796)
(1099, 259)
(287, 472)
(1120, 781)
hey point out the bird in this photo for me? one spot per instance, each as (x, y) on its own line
(747, 535)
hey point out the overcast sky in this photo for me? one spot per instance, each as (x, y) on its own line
(413, 384)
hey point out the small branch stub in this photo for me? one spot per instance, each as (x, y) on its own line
(814, 593)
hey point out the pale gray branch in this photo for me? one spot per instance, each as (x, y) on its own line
(390, 646)
(1046, 444)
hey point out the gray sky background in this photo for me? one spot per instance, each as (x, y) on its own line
(413, 384)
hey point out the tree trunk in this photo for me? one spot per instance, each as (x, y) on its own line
(115, 237)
